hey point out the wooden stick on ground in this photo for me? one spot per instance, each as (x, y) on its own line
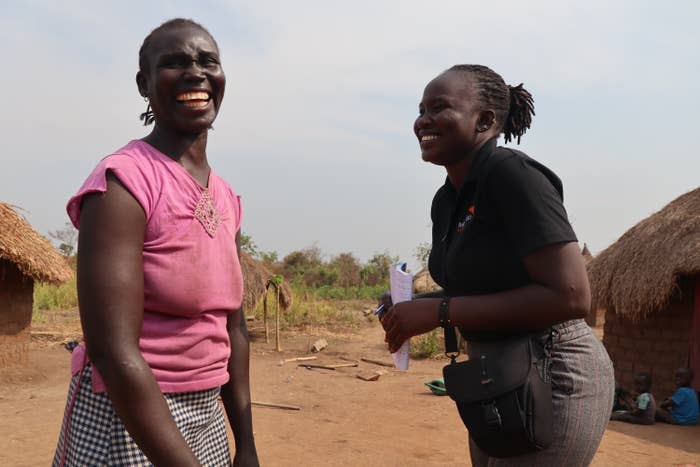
(299, 359)
(377, 362)
(328, 367)
(276, 406)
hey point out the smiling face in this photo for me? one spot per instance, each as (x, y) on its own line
(449, 126)
(183, 79)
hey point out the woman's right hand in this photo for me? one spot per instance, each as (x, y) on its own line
(385, 301)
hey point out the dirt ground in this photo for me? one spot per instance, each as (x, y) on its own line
(343, 420)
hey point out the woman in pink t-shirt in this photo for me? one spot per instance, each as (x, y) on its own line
(159, 281)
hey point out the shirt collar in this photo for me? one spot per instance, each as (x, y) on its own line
(476, 166)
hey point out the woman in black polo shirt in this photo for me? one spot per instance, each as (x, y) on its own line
(504, 251)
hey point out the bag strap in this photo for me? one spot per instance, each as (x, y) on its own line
(451, 349)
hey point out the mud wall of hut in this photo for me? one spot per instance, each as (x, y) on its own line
(657, 345)
(16, 295)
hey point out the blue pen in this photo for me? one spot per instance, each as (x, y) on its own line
(378, 311)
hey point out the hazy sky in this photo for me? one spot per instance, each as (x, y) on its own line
(315, 132)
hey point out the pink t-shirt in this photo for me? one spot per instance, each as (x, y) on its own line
(192, 274)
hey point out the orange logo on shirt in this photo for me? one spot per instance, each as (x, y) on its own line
(470, 215)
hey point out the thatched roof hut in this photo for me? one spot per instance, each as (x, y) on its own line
(33, 254)
(638, 274)
(256, 278)
(25, 257)
(423, 282)
(648, 281)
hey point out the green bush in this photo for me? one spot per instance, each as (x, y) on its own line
(55, 297)
(308, 309)
(428, 345)
(346, 293)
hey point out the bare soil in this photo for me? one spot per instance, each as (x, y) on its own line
(343, 421)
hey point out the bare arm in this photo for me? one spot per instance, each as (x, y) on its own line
(559, 292)
(236, 393)
(110, 293)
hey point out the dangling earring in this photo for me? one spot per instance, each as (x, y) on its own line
(147, 117)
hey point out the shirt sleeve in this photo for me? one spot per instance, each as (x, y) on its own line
(643, 401)
(528, 204)
(679, 397)
(128, 172)
(236, 206)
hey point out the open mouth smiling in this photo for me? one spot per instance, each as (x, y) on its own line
(428, 138)
(194, 99)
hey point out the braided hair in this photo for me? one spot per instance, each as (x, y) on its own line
(147, 117)
(513, 106)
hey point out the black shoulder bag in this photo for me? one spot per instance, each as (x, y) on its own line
(503, 393)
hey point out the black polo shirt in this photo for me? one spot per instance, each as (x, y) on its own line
(508, 207)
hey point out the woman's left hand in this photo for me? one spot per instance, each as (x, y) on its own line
(407, 319)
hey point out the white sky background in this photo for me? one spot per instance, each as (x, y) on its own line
(315, 131)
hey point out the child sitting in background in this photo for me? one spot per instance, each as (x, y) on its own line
(682, 407)
(641, 411)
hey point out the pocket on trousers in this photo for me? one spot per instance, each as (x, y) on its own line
(562, 376)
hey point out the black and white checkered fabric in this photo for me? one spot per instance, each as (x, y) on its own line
(96, 436)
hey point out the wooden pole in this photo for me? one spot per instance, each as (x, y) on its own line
(267, 330)
(277, 319)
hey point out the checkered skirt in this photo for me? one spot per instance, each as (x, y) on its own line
(97, 437)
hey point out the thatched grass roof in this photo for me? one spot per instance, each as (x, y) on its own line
(33, 254)
(255, 279)
(638, 274)
(423, 282)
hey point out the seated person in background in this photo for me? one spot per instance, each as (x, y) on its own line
(622, 397)
(682, 407)
(643, 409)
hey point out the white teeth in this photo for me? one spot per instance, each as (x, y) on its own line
(193, 96)
(425, 138)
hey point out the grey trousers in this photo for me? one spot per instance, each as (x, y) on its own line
(582, 393)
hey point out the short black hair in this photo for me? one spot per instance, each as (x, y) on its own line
(645, 377)
(512, 105)
(170, 24)
(686, 372)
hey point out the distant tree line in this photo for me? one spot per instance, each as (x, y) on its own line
(308, 267)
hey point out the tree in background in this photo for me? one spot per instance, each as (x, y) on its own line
(269, 258)
(347, 267)
(306, 267)
(376, 271)
(309, 269)
(248, 245)
(422, 253)
(67, 238)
